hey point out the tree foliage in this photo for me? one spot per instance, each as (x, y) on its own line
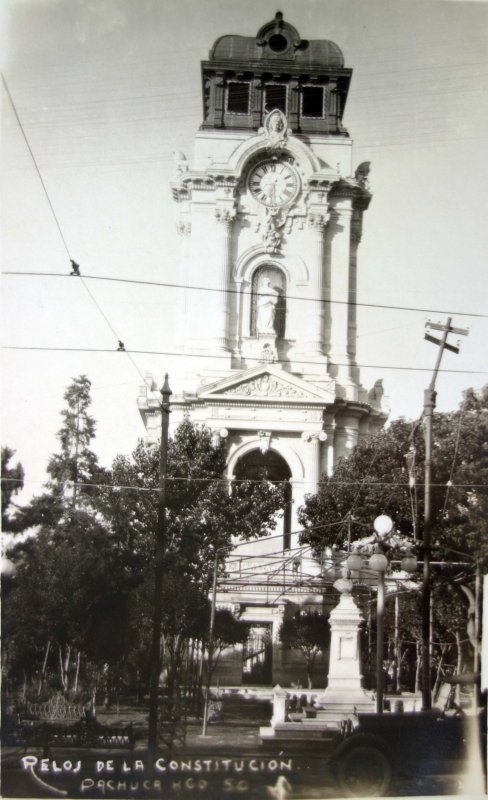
(308, 632)
(203, 516)
(74, 471)
(69, 590)
(385, 475)
(12, 482)
(81, 600)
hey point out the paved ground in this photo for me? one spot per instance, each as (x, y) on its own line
(230, 763)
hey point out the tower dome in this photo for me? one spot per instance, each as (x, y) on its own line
(248, 76)
(278, 41)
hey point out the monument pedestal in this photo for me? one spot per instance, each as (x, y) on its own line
(344, 693)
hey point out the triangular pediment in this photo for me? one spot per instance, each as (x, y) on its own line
(267, 383)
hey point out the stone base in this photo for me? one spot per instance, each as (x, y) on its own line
(337, 706)
(359, 699)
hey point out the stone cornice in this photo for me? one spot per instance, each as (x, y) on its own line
(350, 189)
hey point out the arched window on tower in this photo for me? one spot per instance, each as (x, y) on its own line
(268, 302)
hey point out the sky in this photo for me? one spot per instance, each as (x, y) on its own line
(106, 90)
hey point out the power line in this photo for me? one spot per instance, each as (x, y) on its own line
(74, 265)
(232, 481)
(35, 165)
(257, 360)
(246, 292)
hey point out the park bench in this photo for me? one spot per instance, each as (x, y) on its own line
(86, 733)
(60, 723)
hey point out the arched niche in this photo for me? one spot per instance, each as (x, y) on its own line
(268, 301)
(293, 269)
(253, 257)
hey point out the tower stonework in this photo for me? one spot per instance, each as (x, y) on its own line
(270, 213)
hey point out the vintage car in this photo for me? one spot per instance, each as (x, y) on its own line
(446, 740)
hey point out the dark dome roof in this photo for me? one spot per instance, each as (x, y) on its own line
(278, 41)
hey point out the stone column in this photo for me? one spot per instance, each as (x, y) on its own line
(340, 231)
(184, 230)
(313, 461)
(327, 454)
(315, 312)
(220, 324)
(356, 232)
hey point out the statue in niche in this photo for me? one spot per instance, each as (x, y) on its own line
(268, 303)
(266, 307)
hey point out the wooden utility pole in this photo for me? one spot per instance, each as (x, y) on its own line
(155, 658)
(429, 406)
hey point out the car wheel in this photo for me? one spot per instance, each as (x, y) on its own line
(363, 771)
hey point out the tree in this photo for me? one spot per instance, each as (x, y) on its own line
(385, 475)
(76, 463)
(69, 568)
(74, 471)
(308, 632)
(12, 482)
(204, 515)
(228, 631)
(70, 596)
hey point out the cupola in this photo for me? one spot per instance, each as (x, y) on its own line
(246, 77)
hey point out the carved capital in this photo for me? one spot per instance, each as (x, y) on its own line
(224, 217)
(183, 228)
(318, 221)
(219, 436)
(318, 436)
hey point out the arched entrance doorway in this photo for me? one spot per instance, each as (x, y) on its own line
(270, 466)
(257, 654)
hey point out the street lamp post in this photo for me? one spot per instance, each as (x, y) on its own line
(378, 563)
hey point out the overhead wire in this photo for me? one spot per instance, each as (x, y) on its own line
(231, 481)
(63, 239)
(255, 359)
(249, 292)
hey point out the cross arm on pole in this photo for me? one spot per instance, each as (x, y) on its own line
(429, 406)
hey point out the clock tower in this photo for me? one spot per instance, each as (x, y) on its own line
(270, 213)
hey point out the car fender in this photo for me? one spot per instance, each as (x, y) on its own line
(359, 739)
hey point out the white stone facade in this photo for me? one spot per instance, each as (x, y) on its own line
(269, 207)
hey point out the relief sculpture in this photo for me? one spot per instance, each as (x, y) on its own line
(265, 386)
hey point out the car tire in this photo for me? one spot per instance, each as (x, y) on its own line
(363, 771)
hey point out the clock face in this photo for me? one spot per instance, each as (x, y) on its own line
(273, 183)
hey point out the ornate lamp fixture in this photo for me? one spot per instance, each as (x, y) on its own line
(378, 562)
